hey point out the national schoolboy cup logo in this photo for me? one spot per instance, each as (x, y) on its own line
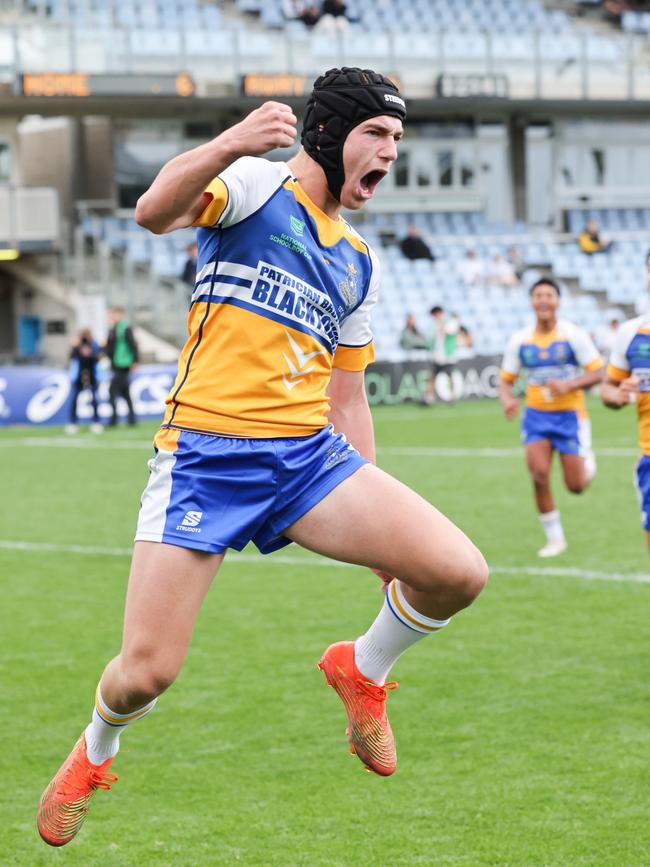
(349, 287)
(297, 226)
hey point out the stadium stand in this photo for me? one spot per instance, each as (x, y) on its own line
(491, 312)
(543, 50)
(453, 207)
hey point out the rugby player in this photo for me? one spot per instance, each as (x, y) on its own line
(628, 381)
(555, 418)
(267, 434)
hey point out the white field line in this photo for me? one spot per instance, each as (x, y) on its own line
(324, 562)
(76, 443)
(429, 413)
(397, 451)
(435, 452)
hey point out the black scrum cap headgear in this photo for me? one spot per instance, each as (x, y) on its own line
(342, 99)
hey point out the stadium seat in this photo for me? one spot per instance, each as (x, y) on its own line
(154, 42)
(203, 43)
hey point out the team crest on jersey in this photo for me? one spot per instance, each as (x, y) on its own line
(561, 352)
(349, 288)
(297, 226)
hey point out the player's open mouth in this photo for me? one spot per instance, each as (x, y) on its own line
(369, 181)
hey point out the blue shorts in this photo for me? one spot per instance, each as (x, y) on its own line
(567, 431)
(642, 482)
(213, 493)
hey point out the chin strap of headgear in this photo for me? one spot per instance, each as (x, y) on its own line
(342, 99)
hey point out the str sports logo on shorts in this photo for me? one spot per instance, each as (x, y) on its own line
(336, 455)
(190, 522)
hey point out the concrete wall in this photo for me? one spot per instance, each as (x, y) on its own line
(9, 135)
(98, 181)
(28, 301)
(79, 160)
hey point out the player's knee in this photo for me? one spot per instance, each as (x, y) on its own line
(472, 576)
(147, 675)
(464, 580)
(541, 477)
(576, 487)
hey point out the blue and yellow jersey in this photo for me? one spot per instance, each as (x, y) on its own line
(631, 357)
(557, 355)
(283, 293)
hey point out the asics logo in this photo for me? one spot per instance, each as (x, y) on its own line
(298, 368)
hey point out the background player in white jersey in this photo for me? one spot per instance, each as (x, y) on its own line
(555, 419)
(628, 381)
(252, 445)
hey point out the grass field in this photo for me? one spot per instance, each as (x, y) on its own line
(523, 729)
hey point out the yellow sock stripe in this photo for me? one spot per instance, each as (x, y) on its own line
(120, 720)
(423, 627)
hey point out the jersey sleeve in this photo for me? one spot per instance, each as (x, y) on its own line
(240, 190)
(619, 366)
(356, 350)
(511, 364)
(585, 350)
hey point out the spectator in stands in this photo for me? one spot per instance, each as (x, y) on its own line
(84, 356)
(189, 268)
(590, 241)
(311, 16)
(500, 272)
(465, 343)
(411, 336)
(122, 350)
(444, 340)
(293, 9)
(515, 260)
(414, 246)
(472, 270)
(333, 17)
(608, 336)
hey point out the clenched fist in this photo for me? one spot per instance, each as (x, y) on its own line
(272, 125)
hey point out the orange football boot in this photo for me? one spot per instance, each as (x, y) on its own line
(64, 803)
(368, 731)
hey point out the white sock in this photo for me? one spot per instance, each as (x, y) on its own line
(552, 526)
(398, 626)
(104, 730)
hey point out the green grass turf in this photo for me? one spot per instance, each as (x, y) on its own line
(522, 729)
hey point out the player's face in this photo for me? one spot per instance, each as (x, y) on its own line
(368, 152)
(545, 301)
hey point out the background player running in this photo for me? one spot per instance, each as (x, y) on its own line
(251, 447)
(628, 381)
(555, 419)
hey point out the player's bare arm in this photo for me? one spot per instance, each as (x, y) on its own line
(509, 403)
(616, 393)
(559, 387)
(177, 196)
(349, 410)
